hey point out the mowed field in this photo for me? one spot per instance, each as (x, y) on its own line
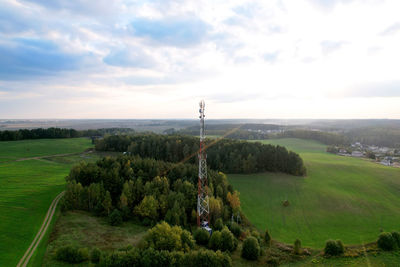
(341, 198)
(27, 188)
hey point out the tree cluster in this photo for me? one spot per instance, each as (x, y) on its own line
(148, 189)
(52, 133)
(39, 133)
(226, 155)
(326, 138)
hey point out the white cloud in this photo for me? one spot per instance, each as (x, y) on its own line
(277, 58)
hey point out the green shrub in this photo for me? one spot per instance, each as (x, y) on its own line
(251, 248)
(72, 254)
(333, 247)
(386, 241)
(201, 236)
(227, 240)
(206, 258)
(396, 237)
(115, 217)
(187, 240)
(218, 224)
(297, 247)
(215, 241)
(95, 255)
(340, 246)
(164, 237)
(117, 259)
(267, 237)
(235, 229)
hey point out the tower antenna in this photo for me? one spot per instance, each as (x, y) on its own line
(203, 211)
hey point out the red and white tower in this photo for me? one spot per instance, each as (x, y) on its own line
(203, 211)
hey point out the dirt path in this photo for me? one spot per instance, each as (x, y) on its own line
(42, 231)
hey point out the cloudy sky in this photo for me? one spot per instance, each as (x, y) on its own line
(158, 58)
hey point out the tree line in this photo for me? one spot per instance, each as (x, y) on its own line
(226, 155)
(51, 133)
(326, 138)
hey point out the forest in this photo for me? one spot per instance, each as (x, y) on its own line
(149, 189)
(51, 133)
(326, 138)
(226, 155)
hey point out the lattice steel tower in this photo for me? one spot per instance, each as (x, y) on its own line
(203, 211)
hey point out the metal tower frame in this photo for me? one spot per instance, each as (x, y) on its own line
(203, 211)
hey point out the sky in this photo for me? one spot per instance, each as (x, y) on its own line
(333, 59)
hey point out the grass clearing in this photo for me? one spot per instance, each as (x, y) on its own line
(28, 187)
(82, 229)
(341, 198)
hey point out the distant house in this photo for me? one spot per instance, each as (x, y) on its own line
(343, 151)
(357, 154)
(387, 161)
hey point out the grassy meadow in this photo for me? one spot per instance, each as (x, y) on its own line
(28, 187)
(82, 229)
(341, 198)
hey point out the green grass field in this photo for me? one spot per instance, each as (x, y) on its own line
(27, 189)
(341, 198)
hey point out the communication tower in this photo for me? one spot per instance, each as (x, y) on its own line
(203, 212)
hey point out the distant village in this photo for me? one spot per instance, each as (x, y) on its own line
(384, 155)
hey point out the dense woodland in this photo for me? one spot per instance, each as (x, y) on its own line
(148, 189)
(51, 133)
(323, 137)
(226, 155)
(389, 136)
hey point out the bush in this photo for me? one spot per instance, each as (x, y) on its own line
(297, 247)
(95, 255)
(386, 241)
(267, 237)
(115, 217)
(117, 259)
(164, 237)
(227, 240)
(72, 254)
(251, 248)
(201, 236)
(235, 229)
(215, 241)
(396, 237)
(333, 247)
(206, 258)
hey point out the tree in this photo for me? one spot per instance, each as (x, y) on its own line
(333, 247)
(107, 203)
(227, 240)
(218, 225)
(215, 207)
(201, 236)
(267, 238)
(176, 215)
(234, 200)
(115, 217)
(297, 247)
(386, 241)
(147, 208)
(251, 248)
(215, 241)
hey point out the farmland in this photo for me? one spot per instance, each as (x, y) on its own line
(27, 188)
(341, 198)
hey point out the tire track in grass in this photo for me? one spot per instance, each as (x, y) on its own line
(42, 231)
